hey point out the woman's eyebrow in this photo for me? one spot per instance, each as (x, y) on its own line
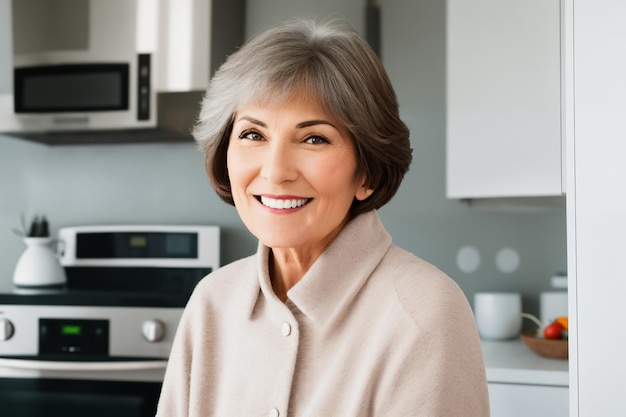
(300, 125)
(252, 120)
(313, 123)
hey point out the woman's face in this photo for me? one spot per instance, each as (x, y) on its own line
(292, 172)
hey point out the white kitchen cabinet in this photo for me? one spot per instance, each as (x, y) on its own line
(516, 400)
(504, 98)
(523, 384)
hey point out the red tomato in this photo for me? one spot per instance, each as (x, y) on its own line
(553, 330)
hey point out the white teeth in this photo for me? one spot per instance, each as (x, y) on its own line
(283, 204)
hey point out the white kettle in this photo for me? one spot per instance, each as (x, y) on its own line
(38, 266)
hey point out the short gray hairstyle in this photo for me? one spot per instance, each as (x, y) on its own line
(330, 62)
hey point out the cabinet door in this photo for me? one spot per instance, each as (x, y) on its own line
(511, 400)
(503, 98)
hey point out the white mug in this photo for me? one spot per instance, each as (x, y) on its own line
(498, 314)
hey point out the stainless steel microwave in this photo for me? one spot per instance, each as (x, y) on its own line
(80, 65)
(110, 71)
(88, 94)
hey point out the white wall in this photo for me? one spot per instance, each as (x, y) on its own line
(597, 224)
(166, 184)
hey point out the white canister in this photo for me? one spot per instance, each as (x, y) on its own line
(498, 314)
(38, 266)
(552, 304)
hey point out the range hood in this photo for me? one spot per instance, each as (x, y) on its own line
(176, 113)
(198, 33)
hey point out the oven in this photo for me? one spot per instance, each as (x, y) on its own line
(98, 345)
(83, 360)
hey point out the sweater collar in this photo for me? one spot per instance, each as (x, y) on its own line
(337, 275)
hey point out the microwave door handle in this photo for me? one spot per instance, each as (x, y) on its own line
(82, 366)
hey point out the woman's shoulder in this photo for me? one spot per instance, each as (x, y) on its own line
(229, 277)
(422, 287)
(409, 269)
(217, 298)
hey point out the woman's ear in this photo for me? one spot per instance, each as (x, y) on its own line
(363, 192)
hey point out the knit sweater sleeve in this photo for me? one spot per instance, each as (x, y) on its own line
(455, 369)
(449, 363)
(174, 399)
(191, 380)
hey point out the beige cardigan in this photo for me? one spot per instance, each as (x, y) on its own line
(370, 330)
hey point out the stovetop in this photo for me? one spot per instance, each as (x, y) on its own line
(71, 297)
(120, 286)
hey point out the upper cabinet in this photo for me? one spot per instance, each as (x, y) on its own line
(504, 99)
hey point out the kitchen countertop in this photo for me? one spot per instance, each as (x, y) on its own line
(514, 363)
(505, 361)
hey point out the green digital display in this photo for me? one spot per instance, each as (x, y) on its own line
(69, 329)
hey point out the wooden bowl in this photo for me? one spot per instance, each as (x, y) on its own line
(548, 348)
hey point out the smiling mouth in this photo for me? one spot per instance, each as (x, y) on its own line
(283, 203)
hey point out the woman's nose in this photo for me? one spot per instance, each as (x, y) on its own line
(278, 163)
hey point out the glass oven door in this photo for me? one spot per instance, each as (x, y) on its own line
(77, 398)
(36, 388)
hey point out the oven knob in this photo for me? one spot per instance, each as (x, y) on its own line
(6, 329)
(153, 330)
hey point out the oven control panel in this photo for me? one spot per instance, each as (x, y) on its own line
(59, 331)
(73, 337)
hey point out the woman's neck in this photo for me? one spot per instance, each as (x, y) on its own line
(287, 266)
(286, 269)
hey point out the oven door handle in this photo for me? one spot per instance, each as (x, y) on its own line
(82, 366)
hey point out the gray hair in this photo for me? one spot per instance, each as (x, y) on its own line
(330, 62)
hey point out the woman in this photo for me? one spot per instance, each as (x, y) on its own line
(302, 135)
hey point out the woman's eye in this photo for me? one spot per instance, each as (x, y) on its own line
(250, 134)
(316, 140)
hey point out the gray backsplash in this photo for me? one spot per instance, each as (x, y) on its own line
(166, 184)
